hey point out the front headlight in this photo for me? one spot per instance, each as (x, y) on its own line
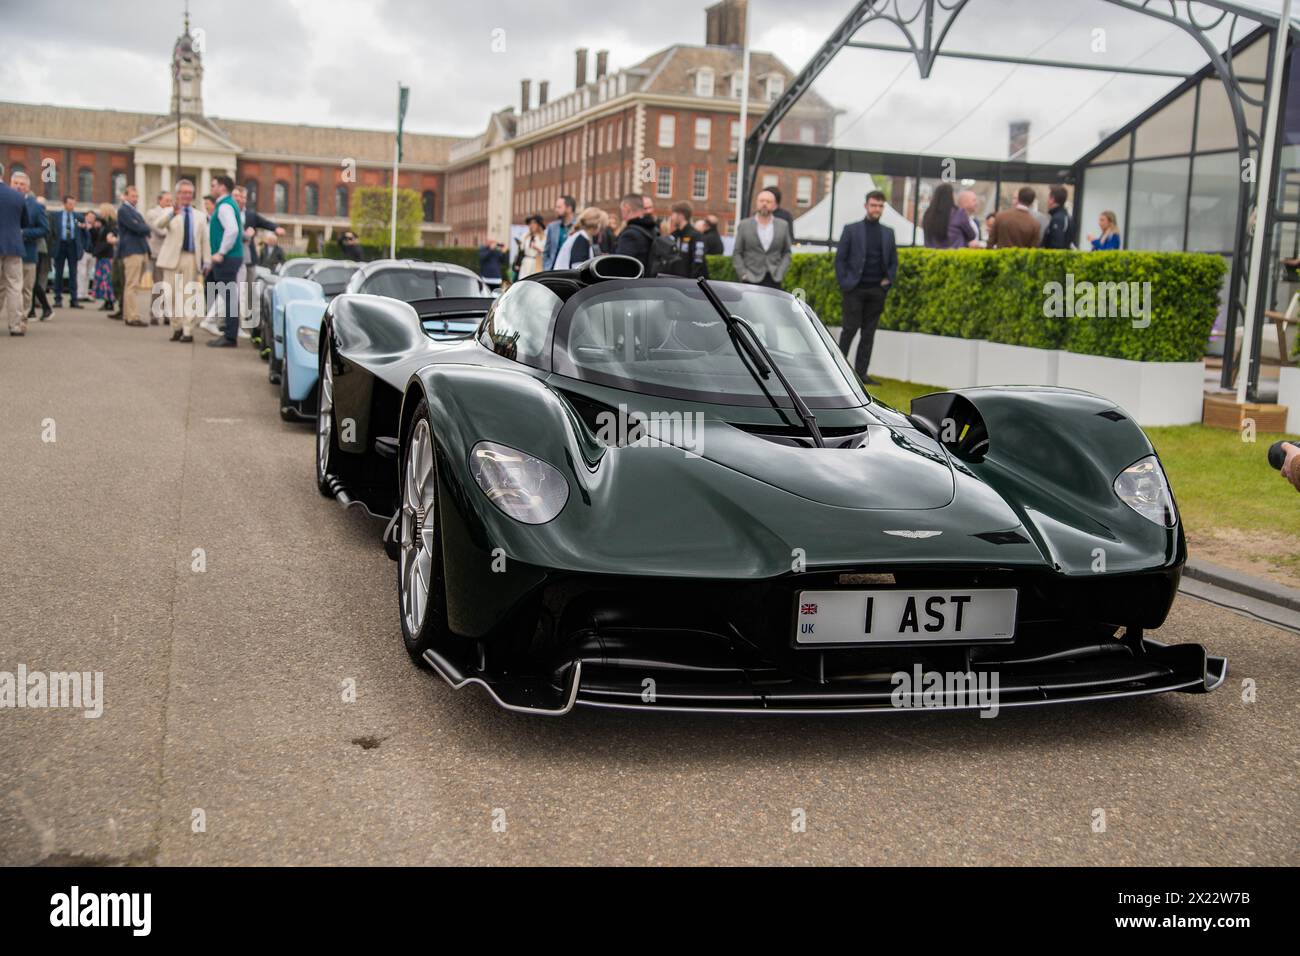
(309, 338)
(524, 487)
(1143, 487)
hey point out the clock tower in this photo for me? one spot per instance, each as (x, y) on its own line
(187, 74)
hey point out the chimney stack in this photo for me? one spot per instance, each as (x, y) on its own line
(525, 95)
(724, 23)
(543, 92)
(581, 80)
(602, 63)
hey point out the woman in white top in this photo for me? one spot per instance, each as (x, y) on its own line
(531, 245)
(581, 245)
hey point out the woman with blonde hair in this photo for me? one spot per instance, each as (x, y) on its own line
(581, 244)
(1109, 238)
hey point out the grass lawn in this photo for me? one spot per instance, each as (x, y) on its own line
(1236, 509)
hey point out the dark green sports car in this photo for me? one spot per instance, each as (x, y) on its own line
(668, 494)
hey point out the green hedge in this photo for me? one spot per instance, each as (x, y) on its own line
(1001, 295)
(466, 256)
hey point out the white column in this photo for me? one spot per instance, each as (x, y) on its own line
(166, 182)
(329, 232)
(205, 179)
(139, 180)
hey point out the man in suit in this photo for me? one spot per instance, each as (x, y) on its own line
(13, 219)
(1059, 231)
(69, 229)
(183, 255)
(866, 264)
(36, 228)
(761, 254)
(781, 212)
(133, 249)
(1016, 227)
(271, 256)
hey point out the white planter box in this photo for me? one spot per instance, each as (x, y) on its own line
(1154, 393)
(1016, 365)
(1288, 394)
(940, 360)
(890, 354)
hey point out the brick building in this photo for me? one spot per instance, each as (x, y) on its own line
(668, 126)
(300, 176)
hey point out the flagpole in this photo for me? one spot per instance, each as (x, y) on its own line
(392, 222)
(744, 125)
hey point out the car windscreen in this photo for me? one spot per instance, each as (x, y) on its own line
(456, 285)
(663, 338)
(409, 284)
(333, 275)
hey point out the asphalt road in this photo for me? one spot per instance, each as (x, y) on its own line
(224, 690)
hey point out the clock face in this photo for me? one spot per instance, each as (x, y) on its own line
(187, 135)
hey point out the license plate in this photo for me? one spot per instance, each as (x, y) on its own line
(904, 617)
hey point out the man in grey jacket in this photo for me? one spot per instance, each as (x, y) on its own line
(762, 252)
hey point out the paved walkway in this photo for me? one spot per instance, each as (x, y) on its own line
(224, 689)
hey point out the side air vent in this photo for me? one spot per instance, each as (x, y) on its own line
(1003, 537)
(954, 422)
(611, 267)
(1112, 414)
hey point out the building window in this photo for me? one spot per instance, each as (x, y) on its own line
(704, 82)
(806, 133)
(340, 200)
(737, 85)
(250, 188)
(119, 186)
(281, 197)
(85, 186)
(771, 179)
(667, 131)
(429, 204)
(731, 186)
(700, 185)
(703, 132)
(664, 182)
(735, 136)
(803, 190)
(311, 199)
(775, 87)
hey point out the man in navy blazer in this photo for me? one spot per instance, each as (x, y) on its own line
(70, 242)
(13, 219)
(34, 230)
(866, 263)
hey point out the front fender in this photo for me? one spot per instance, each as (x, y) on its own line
(1053, 454)
(285, 291)
(302, 362)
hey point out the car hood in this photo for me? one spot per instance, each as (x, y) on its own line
(882, 468)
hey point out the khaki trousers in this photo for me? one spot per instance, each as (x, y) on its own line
(12, 312)
(29, 283)
(183, 313)
(132, 270)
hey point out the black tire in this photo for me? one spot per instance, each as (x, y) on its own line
(432, 629)
(286, 405)
(324, 416)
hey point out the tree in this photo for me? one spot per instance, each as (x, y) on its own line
(371, 206)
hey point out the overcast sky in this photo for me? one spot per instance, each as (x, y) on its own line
(337, 62)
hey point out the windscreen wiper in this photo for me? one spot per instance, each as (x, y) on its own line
(764, 364)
